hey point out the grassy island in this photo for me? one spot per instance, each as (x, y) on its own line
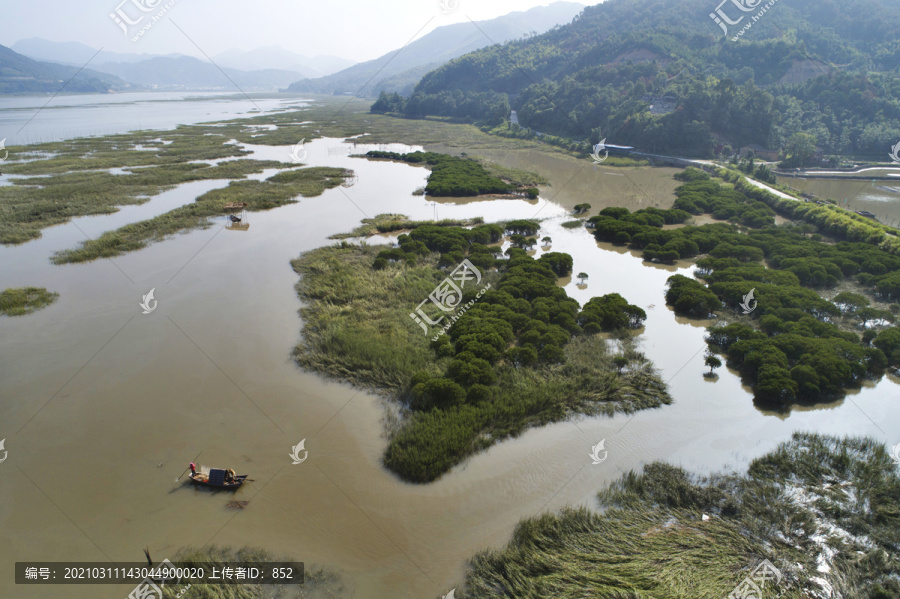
(456, 176)
(825, 512)
(278, 190)
(517, 351)
(25, 300)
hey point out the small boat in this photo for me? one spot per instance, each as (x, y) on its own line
(216, 479)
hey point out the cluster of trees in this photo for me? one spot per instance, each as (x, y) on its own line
(701, 195)
(608, 67)
(691, 297)
(804, 359)
(454, 176)
(797, 353)
(827, 218)
(525, 321)
(644, 229)
(453, 243)
(609, 313)
(761, 173)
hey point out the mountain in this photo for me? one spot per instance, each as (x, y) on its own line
(275, 57)
(186, 72)
(262, 69)
(805, 76)
(401, 69)
(22, 75)
(73, 53)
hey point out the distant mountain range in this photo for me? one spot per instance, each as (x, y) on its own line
(275, 57)
(401, 69)
(189, 73)
(22, 75)
(73, 53)
(261, 69)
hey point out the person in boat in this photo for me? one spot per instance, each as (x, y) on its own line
(229, 476)
(193, 470)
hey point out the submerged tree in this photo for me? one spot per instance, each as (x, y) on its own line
(713, 362)
(582, 208)
(582, 277)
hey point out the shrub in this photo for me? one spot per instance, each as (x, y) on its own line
(437, 393)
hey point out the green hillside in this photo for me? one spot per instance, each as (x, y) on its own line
(821, 67)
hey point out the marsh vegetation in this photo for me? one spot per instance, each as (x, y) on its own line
(278, 190)
(520, 354)
(825, 511)
(25, 300)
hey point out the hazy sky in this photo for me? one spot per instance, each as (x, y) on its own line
(353, 29)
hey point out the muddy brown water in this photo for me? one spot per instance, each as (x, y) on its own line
(102, 407)
(879, 196)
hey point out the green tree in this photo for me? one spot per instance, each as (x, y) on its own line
(713, 362)
(800, 149)
(850, 302)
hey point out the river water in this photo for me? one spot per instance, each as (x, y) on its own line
(40, 119)
(102, 407)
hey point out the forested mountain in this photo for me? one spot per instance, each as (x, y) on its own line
(22, 75)
(826, 68)
(401, 69)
